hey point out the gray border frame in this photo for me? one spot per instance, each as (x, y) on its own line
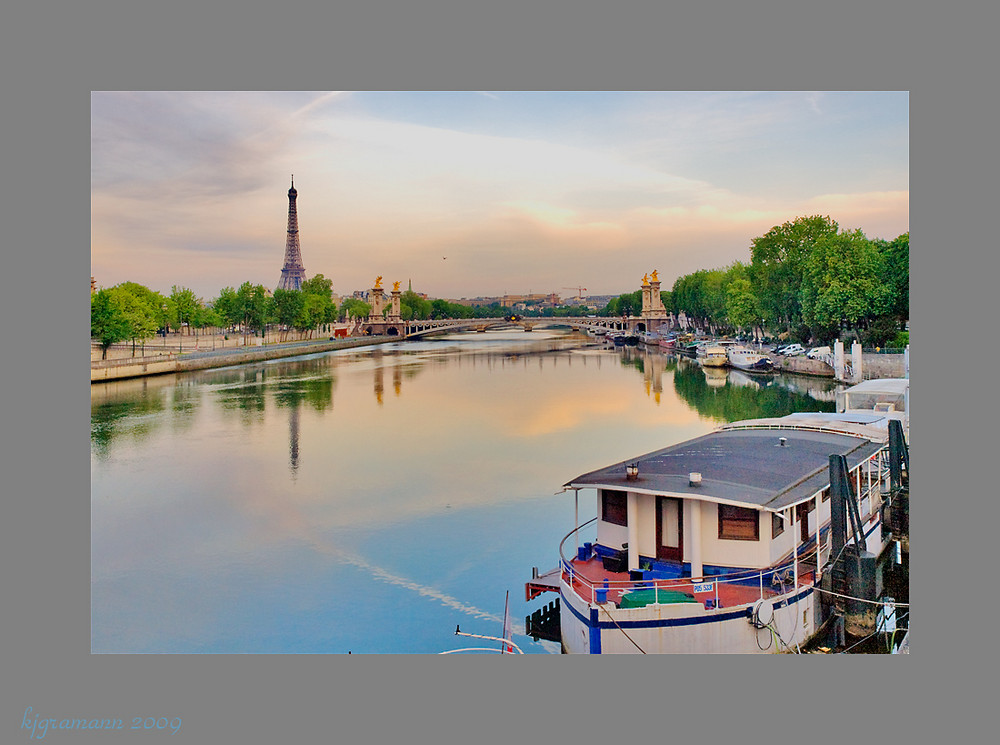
(53, 57)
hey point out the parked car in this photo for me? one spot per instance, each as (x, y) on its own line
(817, 352)
(792, 350)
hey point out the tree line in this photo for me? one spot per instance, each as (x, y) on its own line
(807, 279)
(133, 312)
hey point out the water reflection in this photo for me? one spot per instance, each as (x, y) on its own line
(299, 505)
(739, 396)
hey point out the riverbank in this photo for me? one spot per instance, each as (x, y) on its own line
(163, 364)
(872, 366)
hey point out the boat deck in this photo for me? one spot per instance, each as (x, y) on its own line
(590, 574)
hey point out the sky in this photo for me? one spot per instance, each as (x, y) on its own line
(479, 193)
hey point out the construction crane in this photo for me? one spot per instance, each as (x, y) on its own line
(579, 290)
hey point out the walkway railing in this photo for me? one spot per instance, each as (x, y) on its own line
(770, 582)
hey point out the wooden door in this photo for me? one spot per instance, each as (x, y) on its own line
(669, 529)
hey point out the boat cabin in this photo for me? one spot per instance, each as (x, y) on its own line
(743, 497)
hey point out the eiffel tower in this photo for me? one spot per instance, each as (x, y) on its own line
(292, 273)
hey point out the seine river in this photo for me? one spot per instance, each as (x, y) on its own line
(371, 500)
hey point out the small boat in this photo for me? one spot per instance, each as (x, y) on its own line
(714, 356)
(744, 358)
(667, 343)
(889, 397)
(729, 543)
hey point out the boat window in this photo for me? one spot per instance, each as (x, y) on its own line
(777, 524)
(738, 523)
(826, 494)
(614, 507)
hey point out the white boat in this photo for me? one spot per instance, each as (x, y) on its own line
(714, 356)
(886, 396)
(709, 546)
(744, 358)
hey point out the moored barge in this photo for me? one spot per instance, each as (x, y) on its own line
(710, 545)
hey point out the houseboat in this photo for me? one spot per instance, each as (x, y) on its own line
(744, 358)
(710, 545)
(714, 356)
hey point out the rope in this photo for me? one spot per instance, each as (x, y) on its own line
(622, 630)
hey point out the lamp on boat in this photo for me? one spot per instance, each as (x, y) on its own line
(632, 471)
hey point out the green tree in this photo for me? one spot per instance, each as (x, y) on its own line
(288, 306)
(776, 266)
(896, 255)
(420, 307)
(108, 324)
(227, 305)
(318, 285)
(741, 304)
(844, 282)
(355, 308)
(319, 300)
(184, 305)
(255, 308)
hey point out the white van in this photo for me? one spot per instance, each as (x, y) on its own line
(817, 352)
(793, 350)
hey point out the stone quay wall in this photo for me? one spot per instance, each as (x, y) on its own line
(135, 367)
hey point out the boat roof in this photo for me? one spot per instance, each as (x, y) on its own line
(881, 385)
(741, 466)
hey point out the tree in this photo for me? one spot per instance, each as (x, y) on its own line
(741, 304)
(355, 308)
(288, 306)
(844, 281)
(318, 285)
(184, 304)
(420, 307)
(139, 313)
(896, 255)
(227, 305)
(254, 306)
(319, 307)
(776, 265)
(108, 323)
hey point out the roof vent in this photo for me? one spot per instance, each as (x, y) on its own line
(694, 479)
(782, 441)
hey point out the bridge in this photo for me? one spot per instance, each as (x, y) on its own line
(420, 329)
(385, 318)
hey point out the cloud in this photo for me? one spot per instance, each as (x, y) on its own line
(191, 175)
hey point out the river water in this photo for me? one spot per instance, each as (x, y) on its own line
(371, 500)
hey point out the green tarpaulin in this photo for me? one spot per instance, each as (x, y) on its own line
(639, 598)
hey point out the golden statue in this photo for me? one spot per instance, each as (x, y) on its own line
(645, 280)
(655, 278)
(378, 283)
(395, 286)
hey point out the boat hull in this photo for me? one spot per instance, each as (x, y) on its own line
(684, 628)
(745, 359)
